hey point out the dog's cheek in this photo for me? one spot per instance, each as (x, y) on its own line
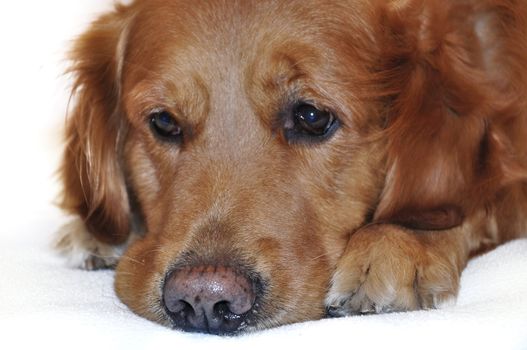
(300, 273)
(138, 280)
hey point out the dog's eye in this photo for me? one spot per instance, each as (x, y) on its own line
(312, 120)
(165, 127)
(311, 124)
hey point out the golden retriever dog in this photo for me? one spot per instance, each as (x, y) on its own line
(249, 164)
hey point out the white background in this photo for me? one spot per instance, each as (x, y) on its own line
(34, 37)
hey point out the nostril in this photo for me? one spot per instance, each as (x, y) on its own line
(179, 307)
(222, 309)
(224, 312)
(222, 319)
(208, 298)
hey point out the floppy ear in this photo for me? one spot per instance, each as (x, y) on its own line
(93, 179)
(451, 93)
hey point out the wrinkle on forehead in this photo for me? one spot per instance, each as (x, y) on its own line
(211, 79)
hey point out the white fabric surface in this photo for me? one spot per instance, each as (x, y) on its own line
(47, 305)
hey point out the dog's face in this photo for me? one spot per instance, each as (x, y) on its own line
(239, 119)
(249, 139)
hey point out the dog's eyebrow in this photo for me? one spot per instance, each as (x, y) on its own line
(189, 99)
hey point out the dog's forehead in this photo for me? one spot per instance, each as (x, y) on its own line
(248, 47)
(172, 32)
(208, 45)
(182, 32)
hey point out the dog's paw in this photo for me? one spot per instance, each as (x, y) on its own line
(387, 268)
(82, 250)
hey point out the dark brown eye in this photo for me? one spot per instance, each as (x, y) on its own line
(165, 127)
(311, 124)
(312, 120)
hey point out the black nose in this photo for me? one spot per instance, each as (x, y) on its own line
(212, 299)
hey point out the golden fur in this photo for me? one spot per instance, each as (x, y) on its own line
(426, 169)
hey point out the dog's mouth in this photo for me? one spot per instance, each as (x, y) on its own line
(213, 299)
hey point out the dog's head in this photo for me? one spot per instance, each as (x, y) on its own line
(249, 139)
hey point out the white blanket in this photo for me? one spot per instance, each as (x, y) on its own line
(44, 304)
